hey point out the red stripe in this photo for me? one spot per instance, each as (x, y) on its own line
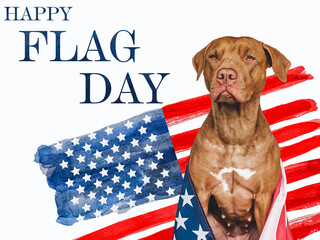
(184, 141)
(304, 197)
(299, 148)
(165, 234)
(302, 170)
(289, 110)
(134, 225)
(295, 76)
(295, 130)
(305, 226)
(179, 112)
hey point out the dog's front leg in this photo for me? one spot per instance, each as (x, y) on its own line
(262, 205)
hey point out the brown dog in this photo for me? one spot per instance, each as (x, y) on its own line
(235, 160)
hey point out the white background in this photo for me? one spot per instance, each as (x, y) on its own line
(40, 101)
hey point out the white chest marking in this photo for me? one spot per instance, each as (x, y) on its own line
(244, 173)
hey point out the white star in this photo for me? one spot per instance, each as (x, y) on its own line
(121, 137)
(153, 137)
(146, 180)
(115, 179)
(200, 233)
(129, 124)
(109, 159)
(92, 165)
(86, 177)
(109, 130)
(147, 148)
(104, 172)
(137, 189)
(104, 142)
(153, 166)
(70, 182)
(87, 147)
(98, 183)
(92, 136)
(135, 142)
(75, 141)
(80, 158)
(108, 190)
(58, 146)
(165, 173)
(186, 198)
(159, 155)
(132, 173)
(140, 161)
(146, 119)
(86, 207)
(120, 195)
(103, 200)
(159, 183)
(151, 197)
(75, 171)
(120, 167)
(142, 130)
(115, 148)
(75, 200)
(69, 152)
(80, 218)
(170, 191)
(114, 208)
(126, 185)
(64, 164)
(97, 154)
(126, 155)
(132, 203)
(92, 195)
(180, 221)
(80, 189)
(97, 213)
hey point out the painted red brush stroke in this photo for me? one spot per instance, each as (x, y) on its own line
(305, 226)
(134, 225)
(295, 76)
(289, 110)
(295, 130)
(299, 148)
(302, 170)
(189, 109)
(304, 197)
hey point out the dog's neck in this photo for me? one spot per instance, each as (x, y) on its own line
(237, 123)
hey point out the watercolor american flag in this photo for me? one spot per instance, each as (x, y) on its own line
(294, 125)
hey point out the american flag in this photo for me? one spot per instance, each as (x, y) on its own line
(191, 222)
(183, 119)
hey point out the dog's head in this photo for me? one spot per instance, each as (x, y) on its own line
(234, 69)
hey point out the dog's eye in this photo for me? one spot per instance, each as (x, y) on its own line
(213, 56)
(250, 58)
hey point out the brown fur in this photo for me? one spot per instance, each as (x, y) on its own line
(236, 135)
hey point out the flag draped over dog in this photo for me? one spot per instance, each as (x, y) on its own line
(191, 222)
(141, 162)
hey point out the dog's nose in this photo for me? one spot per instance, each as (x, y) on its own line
(227, 76)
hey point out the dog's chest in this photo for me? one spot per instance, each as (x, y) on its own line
(227, 177)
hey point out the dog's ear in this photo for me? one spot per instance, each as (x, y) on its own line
(279, 63)
(199, 61)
